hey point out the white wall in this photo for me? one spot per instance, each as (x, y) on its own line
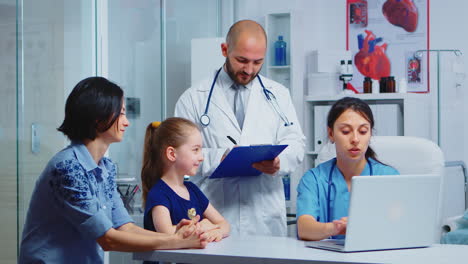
(447, 18)
(185, 22)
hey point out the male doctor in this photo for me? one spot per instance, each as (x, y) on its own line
(240, 108)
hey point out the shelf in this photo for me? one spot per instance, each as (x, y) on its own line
(283, 67)
(382, 96)
(278, 24)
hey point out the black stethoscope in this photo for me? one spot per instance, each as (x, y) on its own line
(330, 184)
(205, 119)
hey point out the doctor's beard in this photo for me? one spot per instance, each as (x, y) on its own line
(230, 71)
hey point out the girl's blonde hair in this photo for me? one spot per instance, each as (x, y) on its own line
(171, 132)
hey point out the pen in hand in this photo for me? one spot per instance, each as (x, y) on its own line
(232, 140)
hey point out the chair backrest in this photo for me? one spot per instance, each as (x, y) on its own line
(409, 155)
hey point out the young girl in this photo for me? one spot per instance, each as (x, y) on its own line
(323, 192)
(173, 149)
(75, 211)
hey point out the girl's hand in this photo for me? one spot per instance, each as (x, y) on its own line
(206, 225)
(186, 228)
(213, 235)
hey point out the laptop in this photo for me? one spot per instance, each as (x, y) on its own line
(389, 212)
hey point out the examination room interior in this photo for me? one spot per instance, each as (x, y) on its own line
(145, 46)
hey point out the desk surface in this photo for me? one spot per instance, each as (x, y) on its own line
(289, 250)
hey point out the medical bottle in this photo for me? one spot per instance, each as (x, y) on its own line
(280, 51)
(375, 87)
(287, 187)
(383, 84)
(391, 85)
(402, 85)
(367, 85)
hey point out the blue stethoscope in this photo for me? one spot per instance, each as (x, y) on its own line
(205, 119)
(330, 184)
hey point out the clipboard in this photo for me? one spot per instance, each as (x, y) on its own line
(238, 163)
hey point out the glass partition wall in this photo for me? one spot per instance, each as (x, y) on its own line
(48, 46)
(149, 56)
(8, 137)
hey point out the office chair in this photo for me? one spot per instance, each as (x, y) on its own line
(409, 155)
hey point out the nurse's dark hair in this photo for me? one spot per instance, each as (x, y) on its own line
(92, 107)
(357, 105)
(172, 132)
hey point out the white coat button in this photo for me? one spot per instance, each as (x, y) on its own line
(104, 207)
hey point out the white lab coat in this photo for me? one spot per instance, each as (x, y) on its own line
(252, 205)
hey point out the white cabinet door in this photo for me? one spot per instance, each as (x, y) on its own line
(388, 119)
(320, 127)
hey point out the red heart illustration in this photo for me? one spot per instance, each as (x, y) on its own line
(371, 60)
(401, 13)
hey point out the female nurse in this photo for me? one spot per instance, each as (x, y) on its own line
(323, 192)
(75, 211)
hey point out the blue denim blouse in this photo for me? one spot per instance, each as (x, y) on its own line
(75, 201)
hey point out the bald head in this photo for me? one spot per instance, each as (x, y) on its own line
(245, 29)
(244, 49)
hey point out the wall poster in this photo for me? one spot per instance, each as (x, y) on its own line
(383, 36)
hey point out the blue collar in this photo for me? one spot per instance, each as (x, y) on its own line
(85, 159)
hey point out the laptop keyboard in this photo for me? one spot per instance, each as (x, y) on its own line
(339, 242)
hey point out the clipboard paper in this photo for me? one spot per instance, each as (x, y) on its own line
(238, 162)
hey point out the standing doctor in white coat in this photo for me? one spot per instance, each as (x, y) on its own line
(252, 205)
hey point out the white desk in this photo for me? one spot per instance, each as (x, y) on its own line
(274, 250)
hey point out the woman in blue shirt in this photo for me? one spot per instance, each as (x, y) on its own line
(323, 192)
(75, 210)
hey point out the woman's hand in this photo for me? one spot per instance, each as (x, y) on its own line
(339, 226)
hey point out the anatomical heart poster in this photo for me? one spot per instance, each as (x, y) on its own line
(384, 37)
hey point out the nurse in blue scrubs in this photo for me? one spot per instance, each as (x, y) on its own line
(323, 192)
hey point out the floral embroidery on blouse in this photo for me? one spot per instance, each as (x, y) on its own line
(111, 173)
(71, 184)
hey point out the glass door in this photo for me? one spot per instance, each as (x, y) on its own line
(8, 104)
(49, 47)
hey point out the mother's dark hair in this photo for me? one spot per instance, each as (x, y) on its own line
(92, 107)
(358, 106)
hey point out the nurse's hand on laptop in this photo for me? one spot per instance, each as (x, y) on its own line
(268, 166)
(339, 226)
